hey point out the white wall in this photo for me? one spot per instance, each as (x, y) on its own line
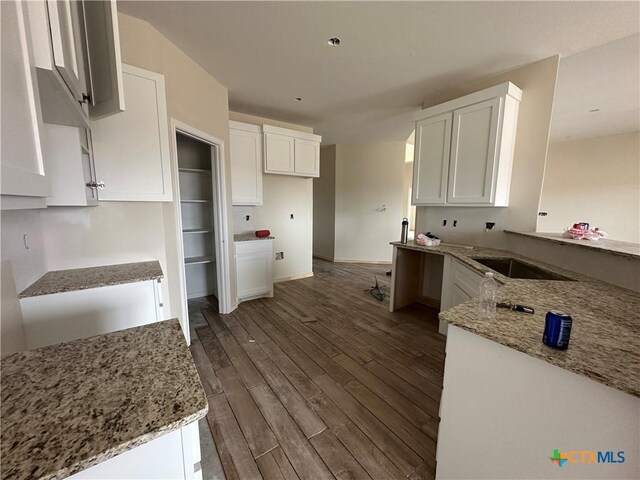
(595, 180)
(324, 205)
(368, 176)
(537, 80)
(20, 267)
(282, 196)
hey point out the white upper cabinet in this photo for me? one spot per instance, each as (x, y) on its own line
(431, 159)
(464, 149)
(307, 157)
(77, 52)
(290, 152)
(245, 143)
(23, 182)
(131, 149)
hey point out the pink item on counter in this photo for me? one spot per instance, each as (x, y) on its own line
(579, 232)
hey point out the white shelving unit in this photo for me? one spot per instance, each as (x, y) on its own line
(196, 204)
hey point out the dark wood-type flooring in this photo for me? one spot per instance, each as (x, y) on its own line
(321, 381)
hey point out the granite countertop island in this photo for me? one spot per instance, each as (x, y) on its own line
(73, 405)
(93, 277)
(604, 345)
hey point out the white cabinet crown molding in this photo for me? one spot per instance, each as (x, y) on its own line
(291, 133)
(501, 90)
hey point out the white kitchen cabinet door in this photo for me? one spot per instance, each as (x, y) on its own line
(131, 149)
(474, 153)
(279, 154)
(22, 169)
(254, 269)
(246, 165)
(66, 25)
(69, 166)
(60, 317)
(431, 160)
(307, 157)
(104, 61)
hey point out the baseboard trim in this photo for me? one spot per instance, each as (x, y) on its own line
(322, 257)
(293, 277)
(375, 262)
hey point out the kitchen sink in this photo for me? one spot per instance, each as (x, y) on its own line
(512, 268)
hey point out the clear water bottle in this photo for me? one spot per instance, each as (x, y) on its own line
(488, 291)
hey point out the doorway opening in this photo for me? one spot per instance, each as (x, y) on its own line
(201, 213)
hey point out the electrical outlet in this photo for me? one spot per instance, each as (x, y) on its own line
(444, 223)
(279, 255)
(247, 217)
(455, 223)
(291, 216)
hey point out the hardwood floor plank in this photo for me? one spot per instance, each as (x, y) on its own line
(411, 412)
(426, 471)
(342, 343)
(246, 341)
(208, 377)
(245, 319)
(214, 320)
(256, 432)
(234, 451)
(216, 354)
(327, 364)
(269, 467)
(386, 440)
(377, 465)
(244, 366)
(304, 416)
(288, 472)
(416, 396)
(397, 355)
(300, 358)
(417, 440)
(299, 451)
(337, 457)
(294, 374)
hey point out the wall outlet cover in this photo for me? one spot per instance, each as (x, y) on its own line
(279, 255)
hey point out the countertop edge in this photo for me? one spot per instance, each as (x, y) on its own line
(593, 246)
(33, 291)
(515, 346)
(126, 446)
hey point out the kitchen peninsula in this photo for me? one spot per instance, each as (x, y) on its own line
(502, 365)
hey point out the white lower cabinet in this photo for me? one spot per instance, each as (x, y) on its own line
(254, 269)
(170, 456)
(459, 284)
(60, 317)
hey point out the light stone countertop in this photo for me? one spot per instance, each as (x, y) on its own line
(93, 277)
(613, 247)
(604, 344)
(70, 406)
(248, 237)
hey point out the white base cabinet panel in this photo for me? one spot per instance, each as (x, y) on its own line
(254, 269)
(60, 317)
(459, 285)
(503, 413)
(170, 456)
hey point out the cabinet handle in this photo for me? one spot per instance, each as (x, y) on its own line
(93, 184)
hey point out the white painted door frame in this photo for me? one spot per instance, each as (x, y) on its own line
(220, 218)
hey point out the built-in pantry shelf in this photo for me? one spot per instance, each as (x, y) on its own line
(198, 260)
(196, 230)
(194, 170)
